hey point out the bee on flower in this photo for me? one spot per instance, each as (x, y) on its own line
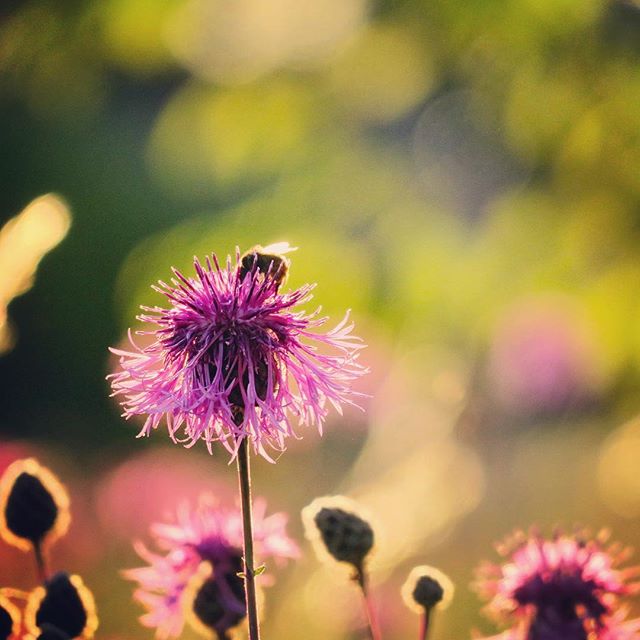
(235, 358)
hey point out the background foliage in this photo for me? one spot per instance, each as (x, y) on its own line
(464, 176)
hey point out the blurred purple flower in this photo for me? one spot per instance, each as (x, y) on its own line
(566, 588)
(233, 359)
(210, 538)
(542, 357)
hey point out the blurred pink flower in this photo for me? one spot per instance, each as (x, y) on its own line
(208, 535)
(542, 357)
(565, 588)
(233, 359)
(125, 507)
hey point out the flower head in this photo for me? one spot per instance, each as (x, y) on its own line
(193, 576)
(235, 358)
(569, 587)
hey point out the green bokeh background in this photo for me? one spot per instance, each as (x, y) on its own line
(464, 176)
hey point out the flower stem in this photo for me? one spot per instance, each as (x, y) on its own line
(424, 625)
(372, 618)
(41, 563)
(244, 481)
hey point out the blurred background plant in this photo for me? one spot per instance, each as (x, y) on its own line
(465, 176)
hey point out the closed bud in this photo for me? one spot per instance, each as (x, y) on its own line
(34, 506)
(344, 534)
(428, 592)
(348, 537)
(9, 619)
(426, 588)
(64, 603)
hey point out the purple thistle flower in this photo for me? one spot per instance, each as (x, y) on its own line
(199, 557)
(566, 588)
(233, 358)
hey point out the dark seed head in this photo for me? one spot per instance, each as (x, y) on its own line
(426, 588)
(49, 632)
(428, 592)
(62, 606)
(32, 502)
(347, 537)
(6, 621)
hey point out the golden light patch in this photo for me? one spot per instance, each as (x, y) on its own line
(51, 483)
(13, 611)
(24, 241)
(441, 578)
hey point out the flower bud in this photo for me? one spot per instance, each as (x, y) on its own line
(34, 506)
(333, 525)
(9, 619)
(426, 588)
(428, 592)
(348, 537)
(64, 603)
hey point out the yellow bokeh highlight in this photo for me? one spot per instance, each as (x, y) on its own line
(617, 471)
(206, 135)
(240, 41)
(13, 611)
(24, 240)
(383, 74)
(134, 32)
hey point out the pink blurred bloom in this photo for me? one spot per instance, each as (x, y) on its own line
(207, 534)
(567, 588)
(233, 358)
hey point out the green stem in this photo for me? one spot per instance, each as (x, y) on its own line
(244, 481)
